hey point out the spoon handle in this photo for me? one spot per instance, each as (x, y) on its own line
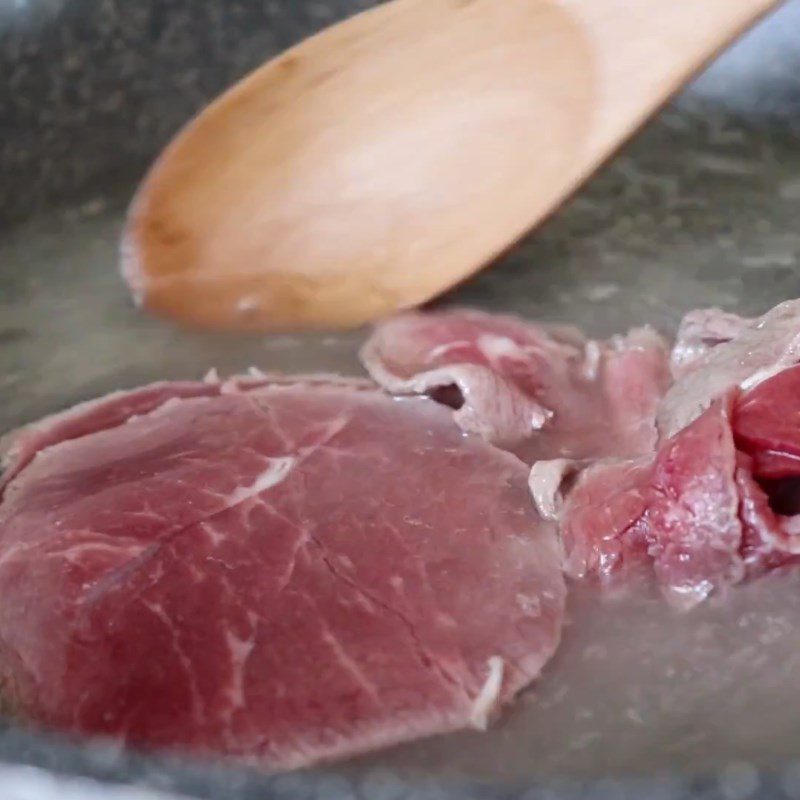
(645, 50)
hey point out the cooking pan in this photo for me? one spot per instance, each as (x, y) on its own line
(701, 209)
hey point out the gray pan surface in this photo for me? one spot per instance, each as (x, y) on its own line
(701, 209)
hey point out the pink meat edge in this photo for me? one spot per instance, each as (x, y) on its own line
(696, 545)
(492, 406)
(577, 493)
(550, 481)
(700, 331)
(762, 348)
(19, 447)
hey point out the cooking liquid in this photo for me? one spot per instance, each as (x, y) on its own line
(635, 687)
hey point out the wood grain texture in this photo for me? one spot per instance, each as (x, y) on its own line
(382, 161)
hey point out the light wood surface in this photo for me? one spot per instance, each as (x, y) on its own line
(382, 161)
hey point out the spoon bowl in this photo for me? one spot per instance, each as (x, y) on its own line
(380, 162)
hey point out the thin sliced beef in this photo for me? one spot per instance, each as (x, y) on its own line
(600, 513)
(763, 347)
(487, 366)
(679, 508)
(719, 500)
(541, 391)
(275, 572)
(95, 415)
(117, 408)
(693, 529)
(767, 430)
(699, 332)
(768, 425)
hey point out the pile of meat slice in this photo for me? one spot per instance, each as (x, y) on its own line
(691, 466)
(295, 569)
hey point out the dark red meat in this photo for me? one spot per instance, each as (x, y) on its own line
(767, 541)
(768, 425)
(767, 430)
(542, 391)
(282, 573)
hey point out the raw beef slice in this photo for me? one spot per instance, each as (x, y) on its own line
(542, 391)
(699, 332)
(282, 573)
(761, 348)
(720, 498)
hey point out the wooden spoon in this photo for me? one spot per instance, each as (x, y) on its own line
(379, 163)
